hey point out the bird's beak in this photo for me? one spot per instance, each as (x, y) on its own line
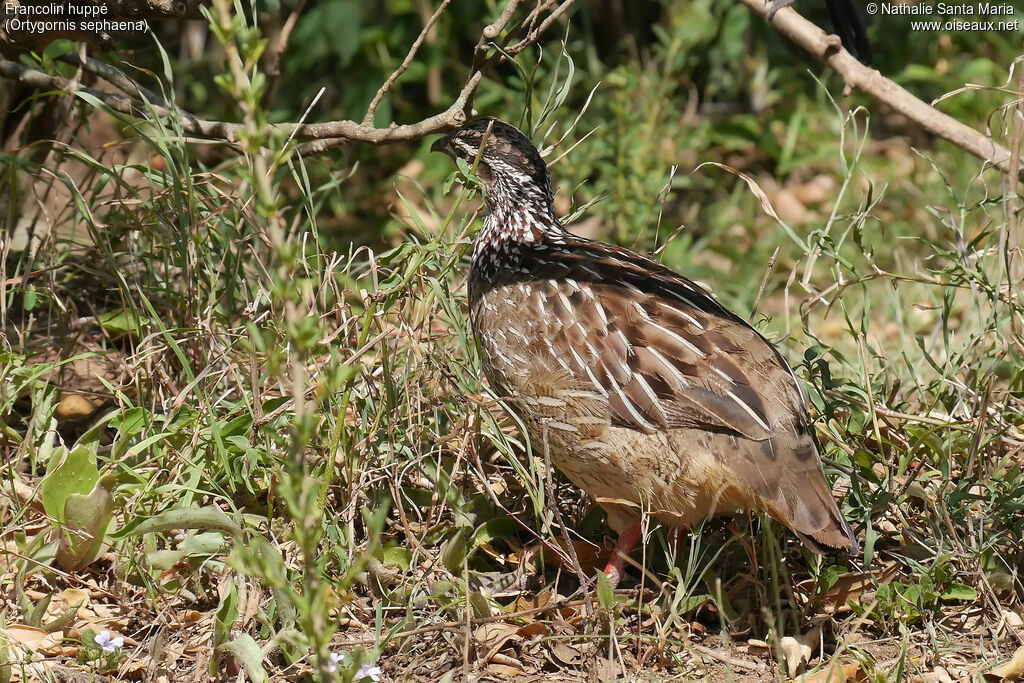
(443, 145)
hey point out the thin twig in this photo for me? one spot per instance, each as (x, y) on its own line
(372, 109)
(1014, 253)
(533, 34)
(764, 283)
(725, 659)
(280, 45)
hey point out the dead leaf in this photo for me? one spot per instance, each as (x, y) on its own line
(937, 675)
(534, 629)
(607, 670)
(73, 596)
(850, 586)
(35, 639)
(564, 653)
(799, 650)
(766, 205)
(504, 671)
(836, 672)
(1012, 670)
(492, 637)
(526, 601)
(115, 626)
(556, 554)
(491, 552)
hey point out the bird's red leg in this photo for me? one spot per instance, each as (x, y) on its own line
(623, 547)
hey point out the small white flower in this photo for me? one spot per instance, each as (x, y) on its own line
(106, 643)
(368, 671)
(333, 662)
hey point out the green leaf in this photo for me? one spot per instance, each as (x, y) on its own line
(227, 613)
(31, 298)
(87, 520)
(35, 617)
(248, 653)
(498, 527)
(162, 560)
(692, 602)
(959, 591)
(57, 49)
(605, 593)
(64, 620)
(5, 668)
(207, 543)
(130, 422)
(181, 518)
(397, 556)
(123, 322)
(454, 552)
(75, 473)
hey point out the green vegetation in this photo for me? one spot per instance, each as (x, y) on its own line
(240, 416)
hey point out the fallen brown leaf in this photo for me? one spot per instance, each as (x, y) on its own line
(534, 629)
(591, 556)
(565, 653)
(35, 639)
(836, 672)
(492, 637)
(850, 586)
(1012, 670)
(799, 650)
(937, 675)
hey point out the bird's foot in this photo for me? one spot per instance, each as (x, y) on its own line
(623, 547)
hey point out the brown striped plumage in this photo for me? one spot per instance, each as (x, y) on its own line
(649, 390)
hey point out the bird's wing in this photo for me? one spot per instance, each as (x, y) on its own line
(664, 351)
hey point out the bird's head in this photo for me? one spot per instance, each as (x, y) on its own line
(510, 167)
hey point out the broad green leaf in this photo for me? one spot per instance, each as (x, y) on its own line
(248, 653)
(87, 519)
(207, 543)
(959, 591)
(227, 613)
(75, 473)
(123, 322)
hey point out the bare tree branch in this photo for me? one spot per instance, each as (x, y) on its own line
(319, 136)
(870, 82)
(534, 33)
